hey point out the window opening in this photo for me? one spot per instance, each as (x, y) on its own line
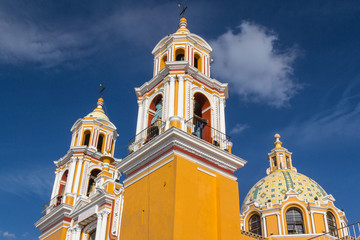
(295, 222)
(180, 55)
(100, 143)
(332, 224)
(91, 186)
(86, 138)
(255, 224)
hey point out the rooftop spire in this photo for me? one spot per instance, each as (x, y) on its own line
(277, 142)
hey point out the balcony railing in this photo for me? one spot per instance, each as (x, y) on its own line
(146, 135)
(49, 206)
(349, 232)
(200, 128)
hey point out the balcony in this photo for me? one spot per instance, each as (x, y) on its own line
(49, 206)
(200, 128)
(146, 135)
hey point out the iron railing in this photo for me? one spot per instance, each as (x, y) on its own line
(349, 232)
(200, 128)
(146, 135)
(55, 201)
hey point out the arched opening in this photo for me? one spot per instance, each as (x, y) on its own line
(295, 221)
(274, 162)
(92, 235)
(255, 224)
(288, 162)
(62, 185)
(163, 61)
(91, 186)
(331, 221)
(197, 61)
(202, 117)
(100, 143)
(86, 138)
(154, 117)
(180, 54)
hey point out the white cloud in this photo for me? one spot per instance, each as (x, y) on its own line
(238, 128)
(338, 122)
(26, 182)
(24, 39)
(7, 234)
(250, 61)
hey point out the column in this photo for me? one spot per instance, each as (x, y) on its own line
(312, 222)
(98, 225)
(78, 174)
(77, 233)
(83, 184)
(55, 186)
(104, 224)
(264, 225)
(278, 220)
(171, 96)
(70, 178)
(222, 115)
(140, 117)
(325, 223)
(181, 96)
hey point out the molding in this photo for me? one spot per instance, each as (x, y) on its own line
(204, 171)
(175, 137)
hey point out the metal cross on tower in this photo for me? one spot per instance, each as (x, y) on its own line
(184, 7)
(102, 90)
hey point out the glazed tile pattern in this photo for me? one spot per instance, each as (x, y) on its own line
(275, 185)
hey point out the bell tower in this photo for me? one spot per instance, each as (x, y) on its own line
(182, 93)
(180, 181)
(85, 168)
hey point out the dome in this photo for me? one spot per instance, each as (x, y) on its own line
(274, 187)
(98, 111)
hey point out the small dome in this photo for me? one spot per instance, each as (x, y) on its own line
(274, 186)
(98, 111)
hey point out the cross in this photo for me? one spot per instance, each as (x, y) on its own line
(102, 90)
(184, 7)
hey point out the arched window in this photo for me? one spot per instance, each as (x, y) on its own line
(274, 162)
(202, 117)
(61, 188)
(180, 54)
(86, 138)
(294, 220)
(287, 162)
(255, 224)
(197, 61)
(163, 61)
(100, 143)
(331, 221)
(154, 117)
(91, 186)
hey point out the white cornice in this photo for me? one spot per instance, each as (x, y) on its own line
(82, 149)
(57, 214)
(175, 137)
(194, 72)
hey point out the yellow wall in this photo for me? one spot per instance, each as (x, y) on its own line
(319, 223)
(271, 225)
(148, 206)
(177, 201)
(58, 235)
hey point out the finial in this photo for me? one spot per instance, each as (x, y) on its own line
(277, 143)
(184, 7)
(102, 90)
(100, 103)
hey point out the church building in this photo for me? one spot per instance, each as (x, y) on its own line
(180, 181)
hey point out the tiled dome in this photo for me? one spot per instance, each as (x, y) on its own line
(274, 186)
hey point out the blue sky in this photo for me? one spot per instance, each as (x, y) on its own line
(292, 66)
